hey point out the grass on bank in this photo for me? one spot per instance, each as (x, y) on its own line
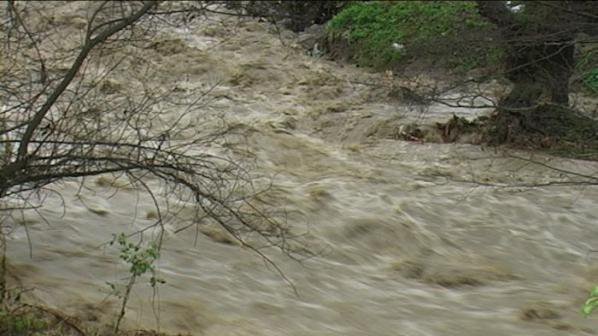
(382, 34)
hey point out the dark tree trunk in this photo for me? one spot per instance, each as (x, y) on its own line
(539, 69)
(296, 15)
(540, 56)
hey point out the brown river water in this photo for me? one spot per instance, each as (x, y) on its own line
(405, 243)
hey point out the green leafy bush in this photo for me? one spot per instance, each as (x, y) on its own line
(425, 28)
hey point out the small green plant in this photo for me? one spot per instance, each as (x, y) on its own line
(591, 303)
(141, 261)
(591, 80)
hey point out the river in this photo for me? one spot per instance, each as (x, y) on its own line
(408, 238)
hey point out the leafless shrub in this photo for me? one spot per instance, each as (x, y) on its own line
(67, 113)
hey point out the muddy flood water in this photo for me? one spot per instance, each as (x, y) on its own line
(408, 238)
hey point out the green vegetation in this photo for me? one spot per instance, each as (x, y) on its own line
(21, 319)
(30, 320)
(25, 323)
(590, 80)
(587, 68)
(591, 303)
(425, 28)
(140, 260)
